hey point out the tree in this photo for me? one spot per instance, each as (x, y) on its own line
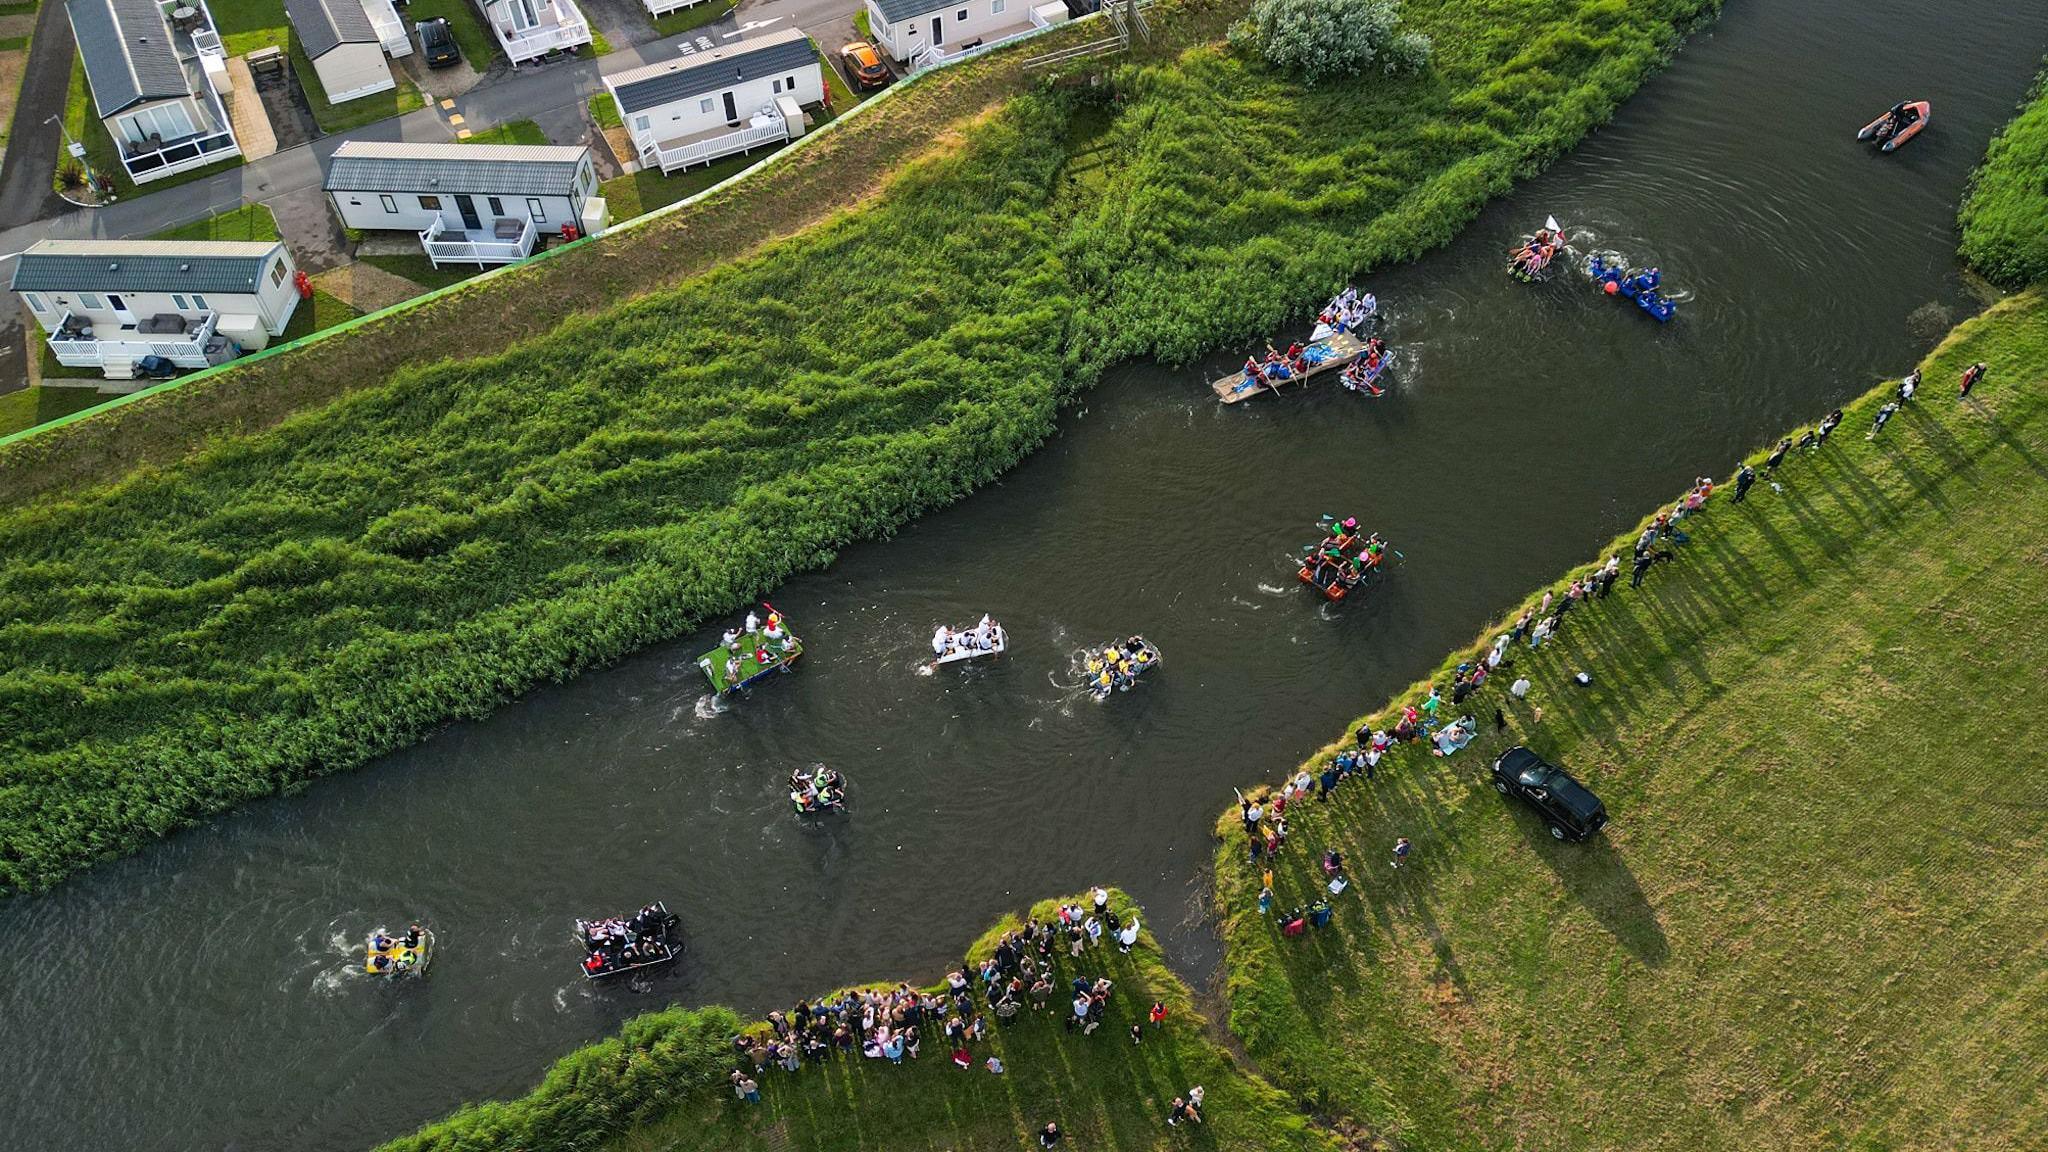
(1321, 38)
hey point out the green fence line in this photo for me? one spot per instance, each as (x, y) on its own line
(641, 220)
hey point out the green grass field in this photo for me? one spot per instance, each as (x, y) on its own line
(1817, 919)
(693, 17)
(1101, 1089)
(510, 132)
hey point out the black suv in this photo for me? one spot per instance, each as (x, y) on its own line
(1572, 812)
(437, 42)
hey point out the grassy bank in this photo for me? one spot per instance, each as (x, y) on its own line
(300, 600)
(2004, 218)
(1815, 921)
(661, 1085)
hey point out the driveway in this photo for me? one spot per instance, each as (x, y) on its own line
(25, 178)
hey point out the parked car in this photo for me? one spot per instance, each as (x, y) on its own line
(155, 368)
(864, 65)
(1572, 812)
(437, 43)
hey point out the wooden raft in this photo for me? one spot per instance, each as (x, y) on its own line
(1323, 355)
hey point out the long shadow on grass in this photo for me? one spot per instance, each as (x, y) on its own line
(1597, 876)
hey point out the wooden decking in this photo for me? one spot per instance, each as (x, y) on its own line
(1323, 355)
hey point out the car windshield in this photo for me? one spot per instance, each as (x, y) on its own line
(1534, 775)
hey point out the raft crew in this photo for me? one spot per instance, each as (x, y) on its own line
(617, 944)
(1535, 254)
(1363, 373)
(1118, 665)
(1348, 311)
(983, 637)
(1343, 558)
(821, 790)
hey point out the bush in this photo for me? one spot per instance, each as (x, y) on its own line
(1323, 38)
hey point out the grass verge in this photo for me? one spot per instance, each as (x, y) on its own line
(249, 222)
(691, 18)
(1814, 922)
(510, 132)
(662, 1084)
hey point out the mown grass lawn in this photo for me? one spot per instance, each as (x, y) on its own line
(28, 407)
(510, 132)
(321, 312)
(479, 47)
(638, 193)
(693, 17)
(1817, 919)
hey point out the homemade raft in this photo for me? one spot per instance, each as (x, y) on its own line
(1322, 356)
(751, 655)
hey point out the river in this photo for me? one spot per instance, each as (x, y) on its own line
(200, 995)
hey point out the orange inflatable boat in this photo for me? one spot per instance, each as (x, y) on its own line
(1898, 125)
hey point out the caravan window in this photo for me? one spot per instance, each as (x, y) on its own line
(35, 302)
(775, 87)
(704, 105)
(199, 302)
(178, 302)
(640, 123)
(535, 209)
(431, 203)
(277, 274)
(995, 7)
(89, 300)
(390, 203)
(497, 206)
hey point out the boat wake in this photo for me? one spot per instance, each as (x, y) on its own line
(710, 706)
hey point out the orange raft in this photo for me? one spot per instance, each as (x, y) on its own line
(1898, 125)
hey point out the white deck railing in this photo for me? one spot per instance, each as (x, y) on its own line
(523, 44)
(178, 155)
(932, 54)
(469, 250)
(187, 350)
(659, 8)
(389, 28)
(774, 130)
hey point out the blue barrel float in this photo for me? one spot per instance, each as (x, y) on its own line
(1616, 280)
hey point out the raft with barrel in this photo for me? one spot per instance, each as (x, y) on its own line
(1642, 288)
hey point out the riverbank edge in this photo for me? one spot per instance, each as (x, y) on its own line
(1426, 216)
(2004, 212)
(1251, 972)
(668, 1069)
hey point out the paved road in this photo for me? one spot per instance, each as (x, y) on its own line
(829, 22)
(32, 147)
